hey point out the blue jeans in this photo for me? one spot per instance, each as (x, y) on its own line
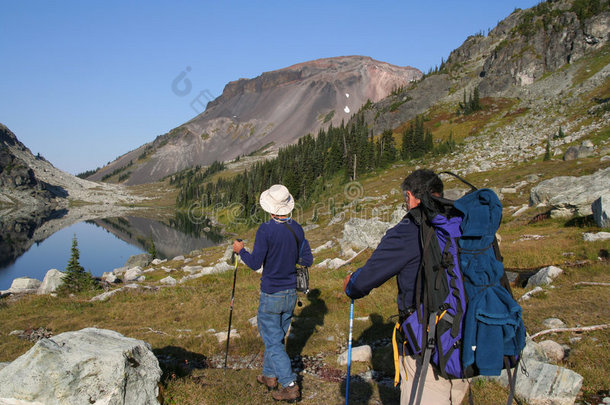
(274, 318)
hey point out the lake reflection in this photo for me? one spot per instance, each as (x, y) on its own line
(104, 244)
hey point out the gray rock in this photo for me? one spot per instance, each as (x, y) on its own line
(571, 153)
(529, 294)
(545, 384)
(52, 280)
(87, 366)
(361, 233)
(553, 323)
(544, 276)
(132, 274)
(573, 195)
(109, 277)
(178, 258)
(397, 215)
(359, 353)
(192, 269)
(222, 336)
(169, 280)
(24, 285)
(553, 350)
(533, 351)
(156, 262)
(141, 260)
(601, 210)
(253, 321)
(120, 270)
(325, 246)
(594, 237)
(454, 193)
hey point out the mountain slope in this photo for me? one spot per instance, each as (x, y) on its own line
(525, 47)
(271, 110)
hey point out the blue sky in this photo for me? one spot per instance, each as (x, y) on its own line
(83, 82)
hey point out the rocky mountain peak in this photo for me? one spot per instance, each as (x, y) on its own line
(263, 113)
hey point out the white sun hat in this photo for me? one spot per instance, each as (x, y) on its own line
(277, 200)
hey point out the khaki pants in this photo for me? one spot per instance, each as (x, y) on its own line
(436, 392)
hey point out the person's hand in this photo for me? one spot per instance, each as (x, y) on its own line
(238, 245)
(346, 280)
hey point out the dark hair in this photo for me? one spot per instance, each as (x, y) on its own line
(422, 183)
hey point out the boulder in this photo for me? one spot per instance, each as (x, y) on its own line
(325, 246)
(141, 260)
(169, 280)
(52, 280)
(84, 367)
(594, 237)
(156, 262)
(109, 277)
(178, 258)
(24, 285)
(544, 276)
(132, 274)
(567, 195)
(553, 323)
(529, 294)
(361, 233)
(120, 270)
(192, 269)
(222, 336)
(585, 149)
(545, 384)
(553, 350)
(601, 211)
(359, 353)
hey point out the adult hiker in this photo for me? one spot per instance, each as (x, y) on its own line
(276, 248)
(399, 254)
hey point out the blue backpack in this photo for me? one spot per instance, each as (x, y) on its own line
(465, 321)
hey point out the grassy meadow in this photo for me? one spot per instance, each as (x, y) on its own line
(177, 321)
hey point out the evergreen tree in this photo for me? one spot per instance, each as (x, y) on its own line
(152, 249)
(76, 278)
(547, 153)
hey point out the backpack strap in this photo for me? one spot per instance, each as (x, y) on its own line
(472, 188)
(419, 380)
(296, 240)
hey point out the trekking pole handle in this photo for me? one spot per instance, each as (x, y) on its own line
(233, 254)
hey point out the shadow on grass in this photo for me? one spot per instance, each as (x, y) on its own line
(176, 362)
(304, 325)
(581, 222)
(378, 336)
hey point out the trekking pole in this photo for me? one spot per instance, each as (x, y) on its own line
(349, 350)
(234, 259)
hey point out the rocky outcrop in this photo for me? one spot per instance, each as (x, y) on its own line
(271, 110)
(84, 367)
(601, 210)
(51, 282)
(544, 383)
(567, 195)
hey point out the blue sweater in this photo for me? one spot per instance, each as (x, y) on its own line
(276, 250)
(398, 254)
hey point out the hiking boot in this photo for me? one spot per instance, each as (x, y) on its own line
(269, 382)
(288, 394)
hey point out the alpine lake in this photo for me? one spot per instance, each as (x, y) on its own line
(30, 247)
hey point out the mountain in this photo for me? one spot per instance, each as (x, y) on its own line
(269, 111)
(516, 60)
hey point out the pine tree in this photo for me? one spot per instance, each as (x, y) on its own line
(547, 153)
(152, 249)
(76, 278)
